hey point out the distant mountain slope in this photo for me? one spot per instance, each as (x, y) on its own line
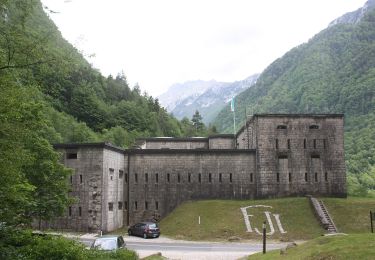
(333, 73)
(208, 97)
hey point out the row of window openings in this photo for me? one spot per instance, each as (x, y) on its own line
(304, 143)
(310, 127)
(147, 205)
(111, 171)
(179, 179)
(306, 177)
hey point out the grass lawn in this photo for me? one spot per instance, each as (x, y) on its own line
(221, 219)
(351, 215)
(353, 246)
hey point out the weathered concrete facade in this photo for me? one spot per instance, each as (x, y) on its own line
(271, 156)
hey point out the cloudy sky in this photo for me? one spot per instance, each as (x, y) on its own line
(160, 42)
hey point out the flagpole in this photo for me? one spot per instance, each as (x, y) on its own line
(234, 115)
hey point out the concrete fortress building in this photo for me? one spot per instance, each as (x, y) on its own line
(272, 155)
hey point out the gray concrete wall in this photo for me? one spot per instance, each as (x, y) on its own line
(179, 165)
(175, 143)
(221, 143)
(323, 156)
(113, 189)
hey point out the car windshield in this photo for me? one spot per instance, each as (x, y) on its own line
(153, 225)
(105, 243)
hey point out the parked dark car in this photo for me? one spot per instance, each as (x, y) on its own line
(108, 243)
(144, 229)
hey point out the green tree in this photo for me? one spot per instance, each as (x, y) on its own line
(197, 121)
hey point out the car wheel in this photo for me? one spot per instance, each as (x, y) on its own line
(144, 235)
(129, 232)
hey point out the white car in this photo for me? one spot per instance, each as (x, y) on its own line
(108, 243)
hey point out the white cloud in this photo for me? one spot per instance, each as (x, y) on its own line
(158, 43)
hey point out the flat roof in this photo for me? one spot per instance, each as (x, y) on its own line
(102, 145)
(298, 115)
(189, 151)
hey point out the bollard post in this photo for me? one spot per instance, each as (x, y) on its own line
(264, 237)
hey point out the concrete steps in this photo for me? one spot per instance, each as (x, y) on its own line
(323, 215)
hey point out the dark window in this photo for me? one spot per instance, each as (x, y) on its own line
(168, 177)
(230, 177)
(314, 127)
(157, 177)
(316, 177)
(120, 174)
(110, 206)
(70, 211)
(326, 176)
(111, 177)
(305, 176)
(146, 177)
(304, 143)
(277, 143)
(71, 155)
(277, 177)
(283, 156)
(156, 205)
(80, 211)
(135, 177)
(220, 177)
(290, 177)
(135, 205)
(288, 144)
(146, 205)
(200, 178)
(126, 177)
(120, 205)
(111, 170)
(314, 143)
(281, 127)
(178, 178)
(189, 177)
(209, 177)
(80, 178)
(125, 205)
(315, 156)
(71, 179)
(251, 177)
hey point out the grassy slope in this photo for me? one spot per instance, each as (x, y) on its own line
(354, 246)
(351, 215)
(221, 219)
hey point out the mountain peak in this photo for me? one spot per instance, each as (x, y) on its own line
(355, 16)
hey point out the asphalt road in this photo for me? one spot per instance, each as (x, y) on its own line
(176, 249)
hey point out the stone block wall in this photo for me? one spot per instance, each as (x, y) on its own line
(221, 142)
(298, 155)
(160, 181)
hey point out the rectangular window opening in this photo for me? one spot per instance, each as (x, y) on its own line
(178, 178)
(305, 176)
(146, 177)
(110, 206)
(230, 177)
(156, 205)
(251, 177)
(288, 144)
(70, 211)
(71, 179)
(200, 178)
(314, 143)
(120, 205)
(71, 155)
(326, 176)
(135, 205)
(168, 177)
(120, 174)
(277, 177)
(80, 178)
(290, 177)
(316, 177)
(136, 178)
(277, 143)
(220, 177)
(157, 177)
(209, 178)
(126, 177)
(146, 205)
(189, 177)
(125, 205)
(79, 211)
(304, 143)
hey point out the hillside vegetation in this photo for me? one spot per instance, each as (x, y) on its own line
(355, 246)
(334, 72)
(222, 219)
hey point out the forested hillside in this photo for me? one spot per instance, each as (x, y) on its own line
(332, 73)
(50, 94)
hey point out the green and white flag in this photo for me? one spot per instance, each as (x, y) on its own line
(232, 105)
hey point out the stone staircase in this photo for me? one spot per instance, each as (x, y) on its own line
(322, 214)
